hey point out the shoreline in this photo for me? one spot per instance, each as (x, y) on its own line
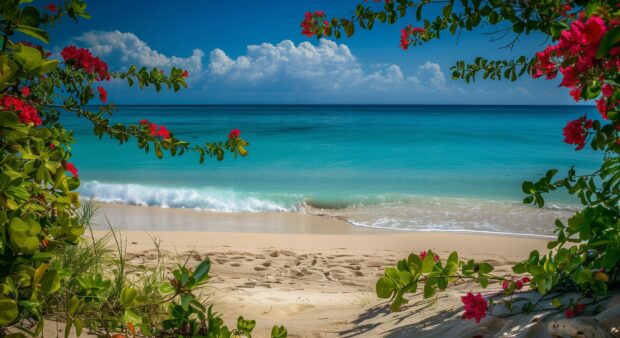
(133, 217)
(318, 277)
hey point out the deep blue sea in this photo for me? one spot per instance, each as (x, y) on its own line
(401, 167)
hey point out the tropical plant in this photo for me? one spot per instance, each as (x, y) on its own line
(39, 207)
(585, 256)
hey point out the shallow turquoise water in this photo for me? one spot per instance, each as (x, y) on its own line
(351, 158)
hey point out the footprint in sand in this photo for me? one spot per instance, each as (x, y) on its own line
(266, 264)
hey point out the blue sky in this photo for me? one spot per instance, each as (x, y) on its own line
(253, 52)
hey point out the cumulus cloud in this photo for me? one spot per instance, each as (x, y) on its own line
(326, 66)
(127, 48)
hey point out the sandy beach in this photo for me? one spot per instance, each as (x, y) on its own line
(313, 274)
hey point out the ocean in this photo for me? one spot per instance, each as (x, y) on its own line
(424, 168)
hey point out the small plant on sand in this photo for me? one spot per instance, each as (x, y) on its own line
(585, 52)
(44, 273)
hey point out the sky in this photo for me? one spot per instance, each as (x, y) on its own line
(253, 52)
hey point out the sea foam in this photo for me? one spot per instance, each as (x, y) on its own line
(208, 199)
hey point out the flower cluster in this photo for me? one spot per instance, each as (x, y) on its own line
(518, 284)
(574, 310)
(406, 33)
(155, 130)
(27, 113)
(234, 133)
(576, 132)
(574, 56)
(81, 58)
(475, 306)
(314, 24)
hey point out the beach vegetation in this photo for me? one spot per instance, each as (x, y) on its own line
(48, 269)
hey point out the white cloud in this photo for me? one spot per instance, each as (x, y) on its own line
(327, 66)
(129, 49)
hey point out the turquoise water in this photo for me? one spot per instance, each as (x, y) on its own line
(404, 167)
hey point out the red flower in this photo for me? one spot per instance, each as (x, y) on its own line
(576, 132)
(144, 122)
(163, 132)
(405, 35)
(234, 133)
(607, 90)
(26, 113)
(314, 24)
(519, 285)
(601, 105)
(52, 8)
(103, 96)
(52, 146)
(505, 284)
(422, 255)
(574, 310)
(475, 306)
(81, 58)
(25, 91)
(71, 168)
(576, 93)
(525, 279)
(185, 73)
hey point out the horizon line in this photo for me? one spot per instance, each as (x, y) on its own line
(346, 104)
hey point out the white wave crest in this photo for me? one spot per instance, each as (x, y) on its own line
(201, 199)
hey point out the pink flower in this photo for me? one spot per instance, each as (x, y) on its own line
(234, 133)
(505, 284)
(475, 306)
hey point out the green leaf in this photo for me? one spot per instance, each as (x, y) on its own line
(608, 41)
(23, 235)
(385, 287)
(428, 262)
(556, 302)
(50, 282)
(279, 332)
(36, 33)
(429, 291)
(127, 297)
(519, 268)
(485, 268)
(8, 311)
(202, 270)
